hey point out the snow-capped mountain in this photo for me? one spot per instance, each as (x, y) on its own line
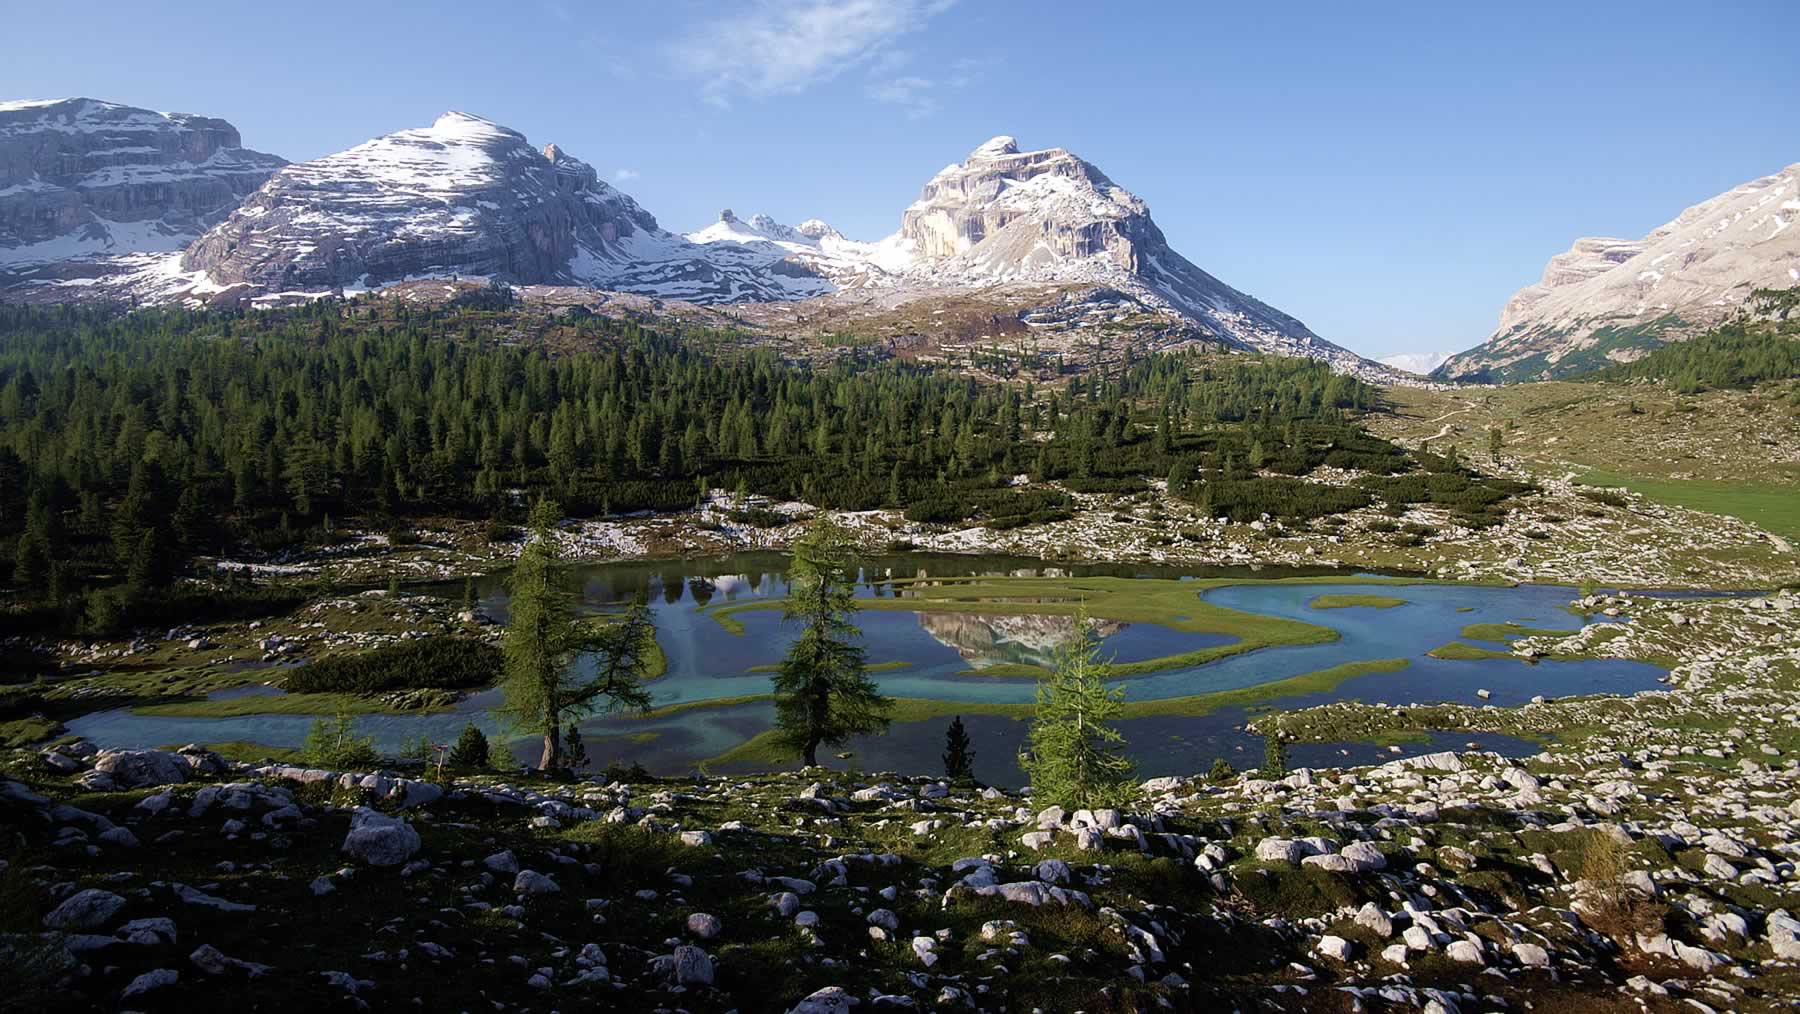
(465, 196)
(1611, 300)
(1005, 216)
(79, 177)
(469, 197)
(1421, 363)
(847, 263)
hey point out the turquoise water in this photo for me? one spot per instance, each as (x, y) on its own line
(708, 663)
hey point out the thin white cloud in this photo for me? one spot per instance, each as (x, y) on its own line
(625, 175)
(913, 94)
(781, 47)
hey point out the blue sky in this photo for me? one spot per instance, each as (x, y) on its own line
(1387, 172)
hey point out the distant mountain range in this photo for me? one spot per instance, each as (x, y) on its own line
(1421, 363)
(103, 201)
(1612, 300)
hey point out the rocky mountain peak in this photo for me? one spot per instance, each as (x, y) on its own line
(996, 147)
(81, 177)
(456, 126)
(464, 196)
(1006, 215)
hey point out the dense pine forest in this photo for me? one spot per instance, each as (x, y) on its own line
(131, 442)
(1737, 355)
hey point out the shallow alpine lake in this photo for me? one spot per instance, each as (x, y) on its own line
(959, 635)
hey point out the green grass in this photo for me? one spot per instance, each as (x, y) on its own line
(1355, 601)
(1171, 603)
(656, 662)
(248, 752)
(1509, 631)
(18, 732)
(1773, 506)
(279, 704)
(1306, 683)
(896, 664)
(1457, 651)
(1016, 670)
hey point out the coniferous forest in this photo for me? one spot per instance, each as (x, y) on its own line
(130, 442)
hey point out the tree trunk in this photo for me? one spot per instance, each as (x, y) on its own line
(812, 753)
(552, 749)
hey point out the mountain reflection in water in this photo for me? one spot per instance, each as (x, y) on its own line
(1000, 640)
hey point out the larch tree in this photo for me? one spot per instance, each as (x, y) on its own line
(542, 684)
(1075, 756)
(823, 694)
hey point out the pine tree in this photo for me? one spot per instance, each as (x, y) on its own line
(193, 524)
(141, 509)
(540, 685)
(575, 756)
(150, 565)
(1275, 752)
(1076, 758)
(959, 757)
(471, 749)
(38, 548)
(823, 694)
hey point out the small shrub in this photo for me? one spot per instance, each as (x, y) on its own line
(333, 743)
(1612, 905)
(1609, 497)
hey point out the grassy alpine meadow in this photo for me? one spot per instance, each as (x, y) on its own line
(1773, 505)
(1355, 602)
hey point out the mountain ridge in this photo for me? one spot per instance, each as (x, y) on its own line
(1607, 300)
(467, 196)
(83, 177)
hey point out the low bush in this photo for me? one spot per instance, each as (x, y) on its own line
(440, 663)
(333, 743)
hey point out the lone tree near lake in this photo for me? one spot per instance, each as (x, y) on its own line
(1075, 757)
(823, 694)
(959, 754)
(541, 684)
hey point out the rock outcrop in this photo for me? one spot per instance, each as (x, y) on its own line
(81, 177)
(1612, 300)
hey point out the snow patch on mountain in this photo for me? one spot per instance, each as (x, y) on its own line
(81, 178)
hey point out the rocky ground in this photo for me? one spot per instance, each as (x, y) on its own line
(1561, 534)
(1657, 878)
(1646, 859)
